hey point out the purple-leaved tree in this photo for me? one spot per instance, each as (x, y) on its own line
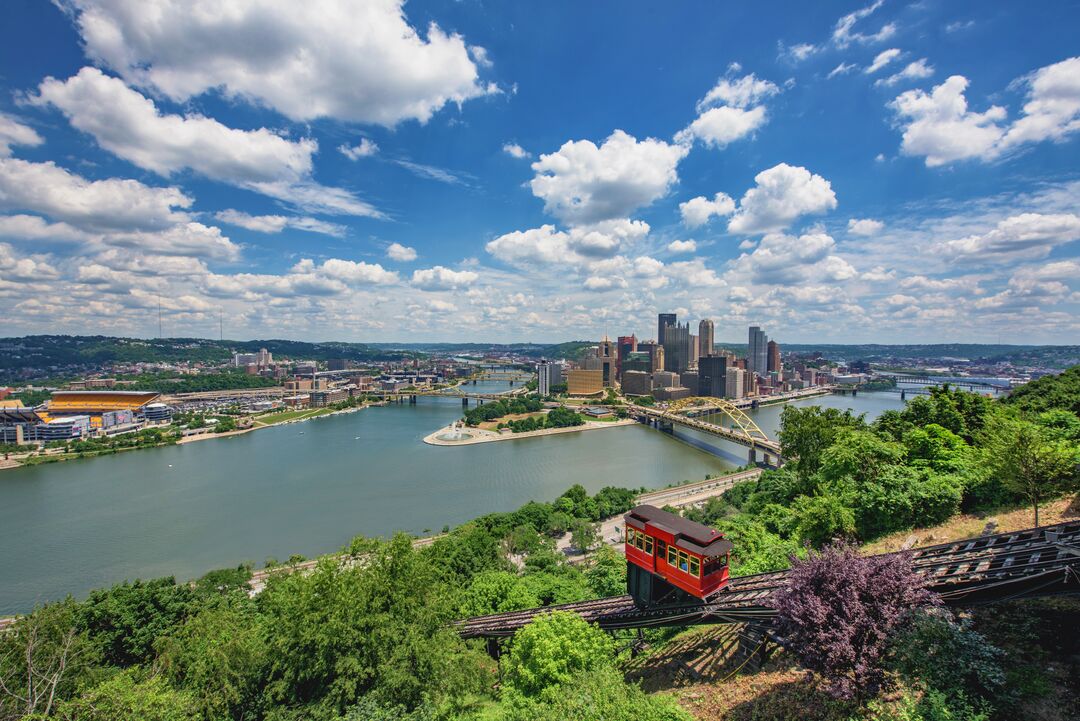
(839, 610)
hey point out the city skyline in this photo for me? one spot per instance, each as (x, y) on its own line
(864, 172)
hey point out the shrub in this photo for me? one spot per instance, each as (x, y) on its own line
(495, 592)
(553, 649)
(600, 695)
(822, 519)
(840, 609)
(935, 652)
(127, 697)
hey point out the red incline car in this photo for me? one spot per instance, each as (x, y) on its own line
(671, 559)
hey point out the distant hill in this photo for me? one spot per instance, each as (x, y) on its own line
(1050, 356)
(56, 354)
(569, 350)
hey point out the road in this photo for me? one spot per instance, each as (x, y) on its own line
(611, 531)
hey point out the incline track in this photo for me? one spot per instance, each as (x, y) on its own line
(1033, 562)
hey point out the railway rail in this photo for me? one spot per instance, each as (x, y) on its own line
(1021, 564)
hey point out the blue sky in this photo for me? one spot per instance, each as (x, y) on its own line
(480, 171)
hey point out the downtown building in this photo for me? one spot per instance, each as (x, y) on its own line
(706, 338)
(548, 374)
(757, 355)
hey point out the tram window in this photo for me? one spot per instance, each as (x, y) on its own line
(639, 541)
(695, 566)
(630, 536)
(684, 561)
(671, 555)
(648, 545)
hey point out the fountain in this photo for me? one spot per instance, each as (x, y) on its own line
(456, 433)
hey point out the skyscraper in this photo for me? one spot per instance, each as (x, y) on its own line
(663, 320)
(694, 355)
(626, 345)
(656, 354)
(543, 377)
(706, 339)
(712, 376)
(677, 347)
(774, 356)
(608, 357)
(757, 357)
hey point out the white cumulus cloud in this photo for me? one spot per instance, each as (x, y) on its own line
(864, 226)
(783, 193)
(586, 183)
(918, 70)
(516, 151)
(399, 252)
(12, 132)
(939, 126)
(1027, 236)
(130, 126)
(112, 204)
(731, 110)
(442, 278)
(360, 62)
(682, 246)
(697, 211)
(364, 149)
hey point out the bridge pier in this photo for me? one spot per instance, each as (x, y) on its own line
(903, 393)
(751, 457)
(755, 404)
(854, 392)
(474, 381)
(412, 400)
(465, 402)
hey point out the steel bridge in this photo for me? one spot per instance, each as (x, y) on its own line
(970, 383)
(453, 392)
(1034, 562)
(743, 430)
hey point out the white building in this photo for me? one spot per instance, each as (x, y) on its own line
(735, 383)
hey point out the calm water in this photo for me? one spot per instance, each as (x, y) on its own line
(307, 488)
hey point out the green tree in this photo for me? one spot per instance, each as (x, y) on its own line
(496, 592)
(379, 624)
(1049, 392)
(219, 656)
(1027, 462)
(125, 620)
(805, 433)
(129, 697)
(553, 649)
(583, 535)
(44, 659)
(822, 519)
(1060, 424)
(607, 574)
(937, 448)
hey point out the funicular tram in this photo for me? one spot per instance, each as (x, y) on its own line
(671, 560)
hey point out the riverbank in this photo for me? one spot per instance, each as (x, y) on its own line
(472, 436)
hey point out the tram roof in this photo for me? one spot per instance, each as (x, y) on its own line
(690, 535)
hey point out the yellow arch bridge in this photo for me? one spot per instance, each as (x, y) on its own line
(743, 430)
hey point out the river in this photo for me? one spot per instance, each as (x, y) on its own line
(307, 488)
